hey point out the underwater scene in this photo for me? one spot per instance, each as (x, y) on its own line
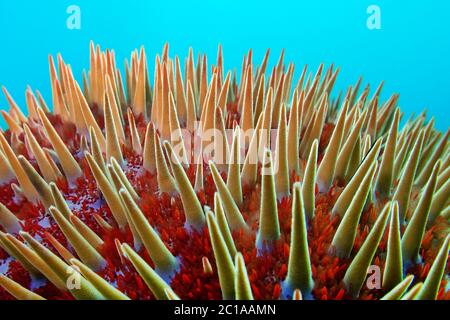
(224, 150)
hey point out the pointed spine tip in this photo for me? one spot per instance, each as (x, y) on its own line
(269, 226)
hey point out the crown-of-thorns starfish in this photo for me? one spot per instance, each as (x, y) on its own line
(112, 186)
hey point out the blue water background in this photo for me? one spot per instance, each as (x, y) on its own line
(411, 52)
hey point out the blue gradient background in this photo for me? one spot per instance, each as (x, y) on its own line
(411, 52)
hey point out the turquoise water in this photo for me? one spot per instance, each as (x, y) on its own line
(411, 52)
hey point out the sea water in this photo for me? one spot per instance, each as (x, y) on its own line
(407, 45)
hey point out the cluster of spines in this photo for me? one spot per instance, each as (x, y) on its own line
(408, 182)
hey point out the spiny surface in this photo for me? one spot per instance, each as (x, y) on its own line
(109, 112)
